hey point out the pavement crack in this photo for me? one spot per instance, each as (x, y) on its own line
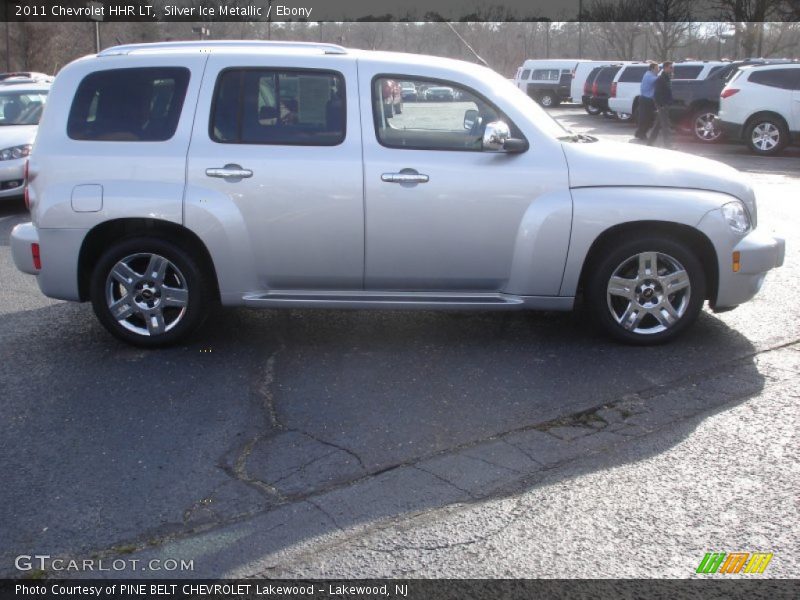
(265, 390)
(344, 449)
(326, 513)
(447, 481)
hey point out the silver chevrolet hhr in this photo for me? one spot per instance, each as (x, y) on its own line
(168, 177)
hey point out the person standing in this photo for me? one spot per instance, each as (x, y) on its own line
(662, 95)
(646, 108)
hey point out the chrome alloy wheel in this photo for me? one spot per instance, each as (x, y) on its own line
(705, 128)
(648, 293)
(147, 294)
(765, 136)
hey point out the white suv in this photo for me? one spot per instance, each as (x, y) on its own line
(166, 178)
(761, 106)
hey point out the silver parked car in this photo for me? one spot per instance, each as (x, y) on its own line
(166, 178)
(22, 101)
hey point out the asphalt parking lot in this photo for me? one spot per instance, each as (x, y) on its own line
(274, 429)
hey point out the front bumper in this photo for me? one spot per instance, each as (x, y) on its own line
(12, 178)
(758, 253)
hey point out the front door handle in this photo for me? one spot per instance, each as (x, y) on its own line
(405, 177)
(229, 172)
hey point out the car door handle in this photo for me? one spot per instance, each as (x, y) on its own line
(229, 171)
(404, 178)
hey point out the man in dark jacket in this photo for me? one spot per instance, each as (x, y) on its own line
(663, 99)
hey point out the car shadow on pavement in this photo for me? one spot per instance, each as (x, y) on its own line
(276, 427)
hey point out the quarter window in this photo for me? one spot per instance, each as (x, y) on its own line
(787, 79)
(444, 116)
(128, 105)
(283, 107)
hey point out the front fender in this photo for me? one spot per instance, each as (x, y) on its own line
(599, 209)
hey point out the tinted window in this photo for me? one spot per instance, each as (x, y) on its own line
(545, 75)
(128, 105)
(607, 75)
(632, 74)
(714, 70)
(686, 72)
(285, 107)
(787, 79)
(526, 73)
(452, 118)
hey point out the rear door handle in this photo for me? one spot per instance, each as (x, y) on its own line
(229, 172)
(404, 177)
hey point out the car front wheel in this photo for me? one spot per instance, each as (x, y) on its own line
(646, 291)
(767, 136)
(149, 292)
(592, 110)
(548, 100)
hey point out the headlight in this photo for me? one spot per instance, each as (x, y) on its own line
(15, 152)
(736, 216)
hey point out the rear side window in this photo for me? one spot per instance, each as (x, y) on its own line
(128, 105)
(607, 74)
(632, 74)
(714, 70)
(283, 107)
(686, 71)
(786, 79)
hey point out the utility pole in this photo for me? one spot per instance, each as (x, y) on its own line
(96, 15)
(580, 28)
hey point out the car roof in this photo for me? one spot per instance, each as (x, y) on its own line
(24, 86)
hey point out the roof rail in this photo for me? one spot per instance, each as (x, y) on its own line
(132, 48)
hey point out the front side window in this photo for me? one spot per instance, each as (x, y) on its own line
(445, 116)
(284, 107)
(128, 105)
(21, 107)
(526, 73)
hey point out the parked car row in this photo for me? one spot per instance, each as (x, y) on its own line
(756, 101)
(22, 99)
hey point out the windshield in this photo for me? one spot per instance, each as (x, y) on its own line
(19, 107)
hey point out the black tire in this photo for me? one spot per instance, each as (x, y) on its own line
(768, 124)
(185, 272)
(603, 306)
(548, 99)
(592, 110)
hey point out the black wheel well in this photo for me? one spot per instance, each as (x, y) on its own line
(99, 238)
(761, 115)
(699, 105)
(696, 240)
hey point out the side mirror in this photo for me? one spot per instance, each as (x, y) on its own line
(497, 137)
(470, 117)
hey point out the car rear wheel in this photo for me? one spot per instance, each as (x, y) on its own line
(592, 110)
(624, 117)
(704, 127)
(767, 136)
(646, 291)
(149, 292)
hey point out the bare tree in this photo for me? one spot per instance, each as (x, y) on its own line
(748, 17)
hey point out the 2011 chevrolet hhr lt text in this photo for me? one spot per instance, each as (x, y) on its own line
(169, 177)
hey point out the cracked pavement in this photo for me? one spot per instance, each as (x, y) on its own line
(359, 444)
